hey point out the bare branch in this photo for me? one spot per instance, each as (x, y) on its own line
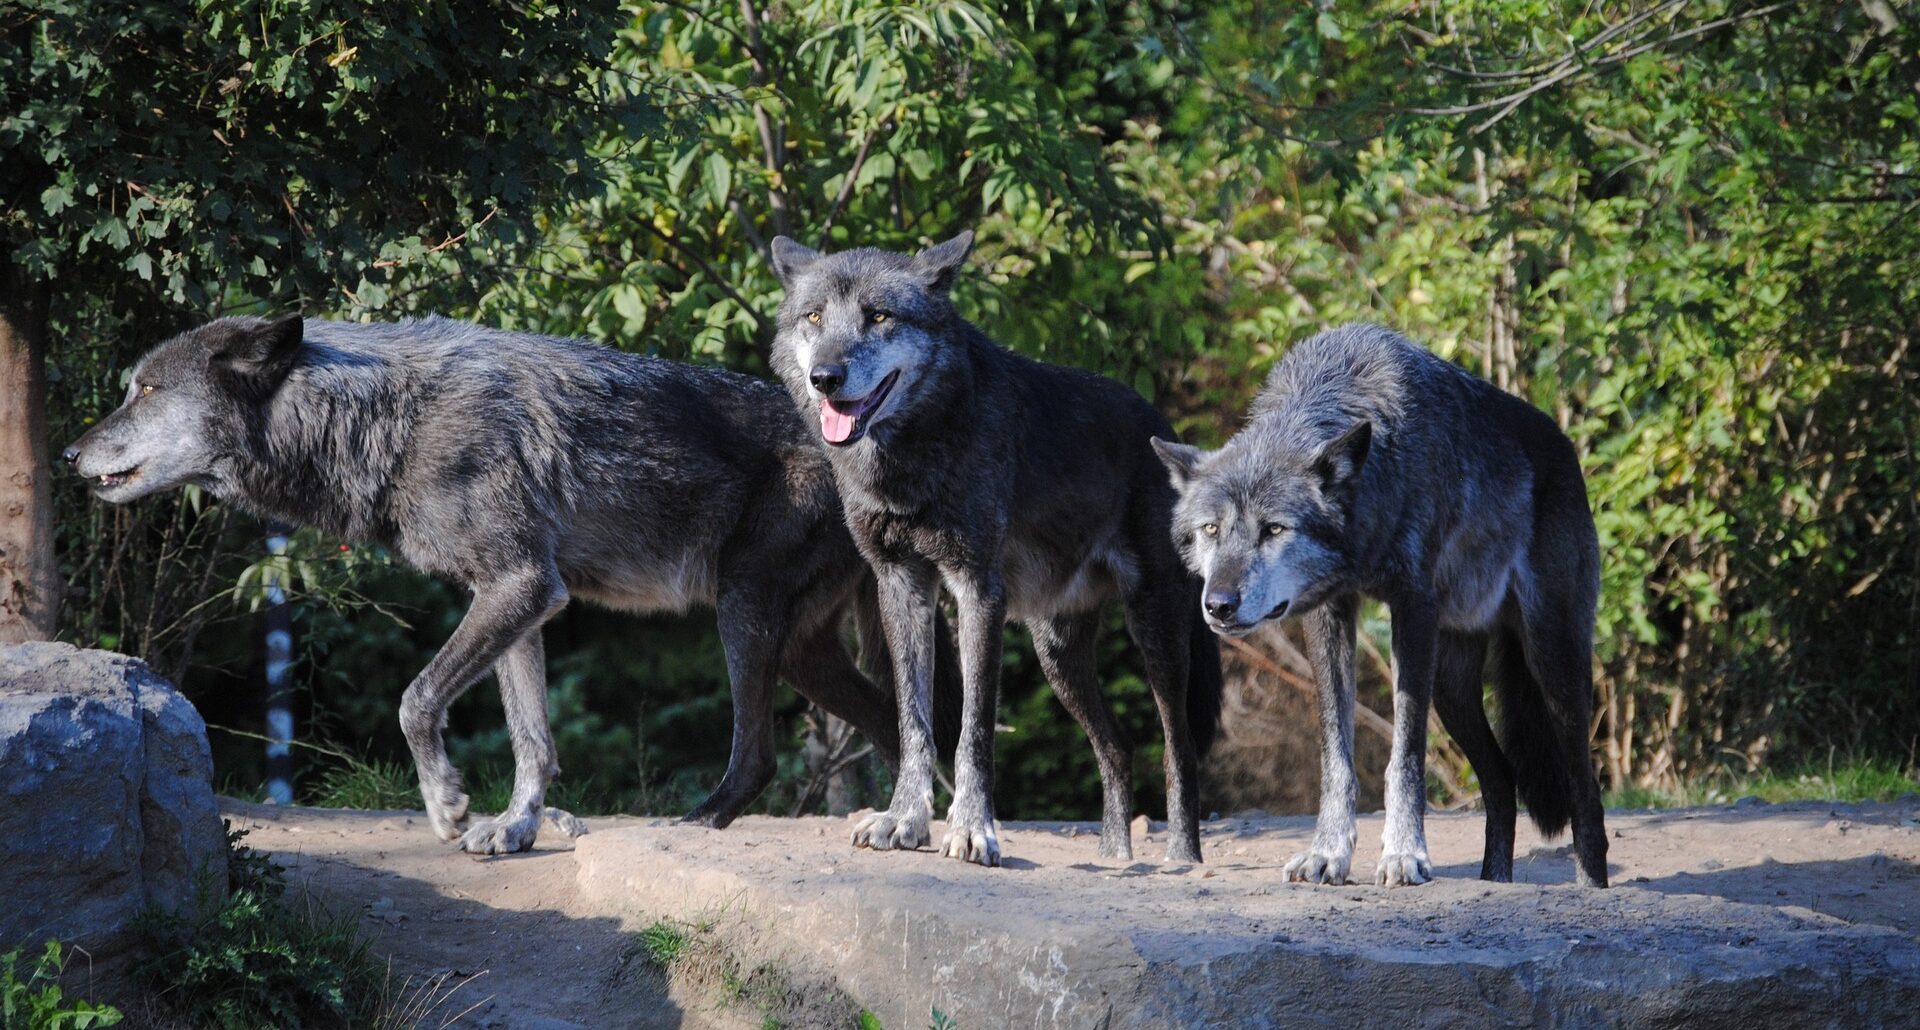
(846, 187)
(706, 269)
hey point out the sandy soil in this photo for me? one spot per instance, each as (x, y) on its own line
(505, 937)
(540, 954)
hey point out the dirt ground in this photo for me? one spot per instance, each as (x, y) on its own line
(535, 950)
(500, 942)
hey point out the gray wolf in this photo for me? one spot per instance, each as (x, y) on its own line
(1030, 491)
(1370, 466)
(530, 470)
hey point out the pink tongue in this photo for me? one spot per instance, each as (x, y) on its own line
(837, 428)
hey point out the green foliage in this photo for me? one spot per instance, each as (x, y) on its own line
(877, 124)
(363, 783)
(1685, 230)
(1850, 782)
(662, 943)
(188, 152)
(254, 959)
(33, 1000)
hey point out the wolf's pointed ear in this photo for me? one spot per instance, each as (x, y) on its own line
(1180, 459)
(940, 263)
(790, 258)
(254, 360)
(1340, 460)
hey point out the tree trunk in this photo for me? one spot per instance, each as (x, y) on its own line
(29, 573)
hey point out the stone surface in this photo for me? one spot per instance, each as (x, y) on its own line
(106, 798)
(1800, 915)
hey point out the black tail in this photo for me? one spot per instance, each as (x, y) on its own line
(877, 662)
(1204, 685)
(1528, 738)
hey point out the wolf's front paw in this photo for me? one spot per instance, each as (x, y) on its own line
(970, 835)
(566, 822)
(906, 830)
(448, 817)
(1318, 867)
(501, 836)
(1405, 869)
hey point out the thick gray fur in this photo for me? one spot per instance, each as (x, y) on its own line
(1370, 466)
(530, 470)
(1031, 492)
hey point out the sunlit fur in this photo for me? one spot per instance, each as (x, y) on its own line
(1370, 467)
(1029, 491)
(530, 470)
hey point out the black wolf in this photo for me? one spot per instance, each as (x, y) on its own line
(530, 470)
(1030, 491)
(1370, 466)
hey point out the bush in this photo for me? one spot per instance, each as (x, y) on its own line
(34, 1001)
(257, 961)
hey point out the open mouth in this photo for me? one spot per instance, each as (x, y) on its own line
(843, 422)
(1241, 629)
(107, 480)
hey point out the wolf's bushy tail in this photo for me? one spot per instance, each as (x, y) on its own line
(1204, 685)
(1529, 739)
(876, 661)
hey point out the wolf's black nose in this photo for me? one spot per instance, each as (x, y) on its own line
(70, 455)
(1221, 604)
(827, 378)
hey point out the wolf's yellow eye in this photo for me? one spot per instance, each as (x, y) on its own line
(1210, 529)
(1273, 529)
(146, 390)
(814, 317)
(878, 317)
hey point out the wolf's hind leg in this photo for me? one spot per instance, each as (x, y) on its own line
(503, 610)
(1330, 640)
(1065, 646)
(752, 640)
(522, 672)
(1457, 696)
(822, 671)
(1558, 649)
(1159, 618)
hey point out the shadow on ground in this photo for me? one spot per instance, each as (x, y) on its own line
(492, 941)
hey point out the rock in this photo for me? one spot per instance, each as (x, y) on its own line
(106, 799)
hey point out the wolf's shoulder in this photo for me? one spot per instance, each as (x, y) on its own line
(1359, 361)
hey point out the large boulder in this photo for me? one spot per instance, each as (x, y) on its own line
(106, 799)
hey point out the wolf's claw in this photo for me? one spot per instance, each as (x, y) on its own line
(970, 834)
(1318, 867)
(501, 835)
(1403, 870)
(885, 831)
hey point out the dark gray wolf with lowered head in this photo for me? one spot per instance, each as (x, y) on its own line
(1370, 466)
(530, 470)
(1031, 492)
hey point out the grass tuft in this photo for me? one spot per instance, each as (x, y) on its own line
(1844, 782)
